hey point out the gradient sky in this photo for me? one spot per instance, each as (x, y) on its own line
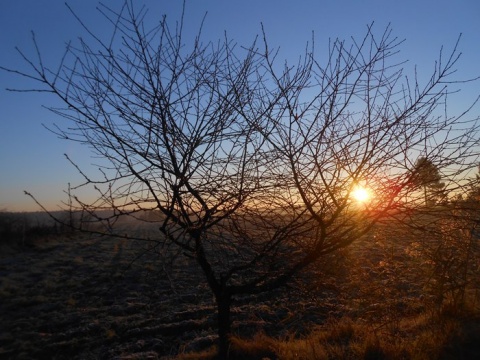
(31, 158)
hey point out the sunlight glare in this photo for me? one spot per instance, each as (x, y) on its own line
(361, 194)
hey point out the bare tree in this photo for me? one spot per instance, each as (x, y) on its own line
(250, 165)
(352, 122)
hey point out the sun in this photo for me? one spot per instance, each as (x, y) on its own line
(361, 194)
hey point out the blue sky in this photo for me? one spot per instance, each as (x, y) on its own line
(31, 158)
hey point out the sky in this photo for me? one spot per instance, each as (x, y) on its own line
(31, 157)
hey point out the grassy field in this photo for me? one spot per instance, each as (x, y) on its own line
(79, 296)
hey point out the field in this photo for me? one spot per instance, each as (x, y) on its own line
(80, 296)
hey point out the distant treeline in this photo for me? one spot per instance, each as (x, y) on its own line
(21, 228)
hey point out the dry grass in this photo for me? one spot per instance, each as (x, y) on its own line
(420, 337)
(82, 296)
(259, 347)
(417, 338)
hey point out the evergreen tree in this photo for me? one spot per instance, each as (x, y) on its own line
(426, 175)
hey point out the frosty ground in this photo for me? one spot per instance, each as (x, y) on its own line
(83, 296)
(99, 297)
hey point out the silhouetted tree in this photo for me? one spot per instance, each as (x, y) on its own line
(474, 192)
(426, 175)
(250, 164)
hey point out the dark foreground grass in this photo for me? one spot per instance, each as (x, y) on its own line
(90, 297)
(425, 336)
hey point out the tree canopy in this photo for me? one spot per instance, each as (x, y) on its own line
(427, 175)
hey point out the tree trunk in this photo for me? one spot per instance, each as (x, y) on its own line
(224, 302)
